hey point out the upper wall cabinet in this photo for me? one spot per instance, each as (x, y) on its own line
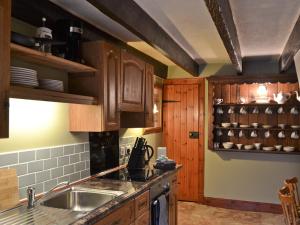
(149, 100)
(105, 84)
(5, 11)
(132, 89)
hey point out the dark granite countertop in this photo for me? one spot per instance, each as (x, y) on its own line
(40, 214)
(132, 190)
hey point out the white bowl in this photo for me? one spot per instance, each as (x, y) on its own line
(225, 125)
(248, 147)
(288, 148)
(266, 126)
(271, 148)
(295, 126)
(278, 147)
(244, 126)
(255, 125)
(281, 125)
(227, 145)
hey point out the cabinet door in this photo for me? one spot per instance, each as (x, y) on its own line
(149, 118)
(111, 78)
(132, 83)
(121, 216)
(5, 20)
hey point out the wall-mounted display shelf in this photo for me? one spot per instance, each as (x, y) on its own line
(237, 94)
(41, 58)
(53, 96)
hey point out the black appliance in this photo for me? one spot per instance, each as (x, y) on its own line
(69, 31)
(140, 155)
(104, 151)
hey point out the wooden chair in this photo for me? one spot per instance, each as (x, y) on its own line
(288, 206)
(292, 185)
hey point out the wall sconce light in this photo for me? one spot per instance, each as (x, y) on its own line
(155, 109)
(262, 90)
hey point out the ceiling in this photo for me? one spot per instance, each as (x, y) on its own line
(190, 25)
(263, 26)
(195, 33)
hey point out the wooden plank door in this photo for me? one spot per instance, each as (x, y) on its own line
(183, 113)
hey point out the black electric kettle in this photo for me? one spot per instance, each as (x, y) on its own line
(140, 155)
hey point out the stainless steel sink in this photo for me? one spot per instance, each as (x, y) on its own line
(81, 199)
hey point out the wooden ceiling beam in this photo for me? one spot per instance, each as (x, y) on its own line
(221, 14)
(130, 15)
(291, 48)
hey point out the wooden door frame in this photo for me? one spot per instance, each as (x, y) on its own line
(201, 121)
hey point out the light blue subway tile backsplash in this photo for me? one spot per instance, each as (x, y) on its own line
(45, 168)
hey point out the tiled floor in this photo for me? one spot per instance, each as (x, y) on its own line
(197, 214)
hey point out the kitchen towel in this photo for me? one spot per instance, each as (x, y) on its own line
(163, 211)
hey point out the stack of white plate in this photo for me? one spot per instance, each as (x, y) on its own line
(52, 85)
(23, 76)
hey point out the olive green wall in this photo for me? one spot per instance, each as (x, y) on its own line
(241, 176)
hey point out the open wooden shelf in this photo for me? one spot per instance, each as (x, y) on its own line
(257, 151)
(53, 96)
(258, 128)
(258, 104)
(41, 58)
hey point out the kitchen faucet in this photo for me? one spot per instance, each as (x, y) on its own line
(31, 193)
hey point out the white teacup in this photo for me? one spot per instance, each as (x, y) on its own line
(278, 147)
(257, 145)
(230, 133)
(243, 110)
(281, 134)
(294, 111)
(280, 110)
(253, 133)
(295, 135)
(231, 110)
(267, 134)
(255, 110)
(220, 110)
(218, 100)
(239, 146)
(268, 110)
(241, 133)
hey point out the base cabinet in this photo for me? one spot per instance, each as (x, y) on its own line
(173, 202)
(135, 212)
(122, 216)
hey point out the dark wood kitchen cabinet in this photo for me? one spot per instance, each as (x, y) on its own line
(173, 201)
(104, 83)
(5, 20)
(132, 86)
(149, 100)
